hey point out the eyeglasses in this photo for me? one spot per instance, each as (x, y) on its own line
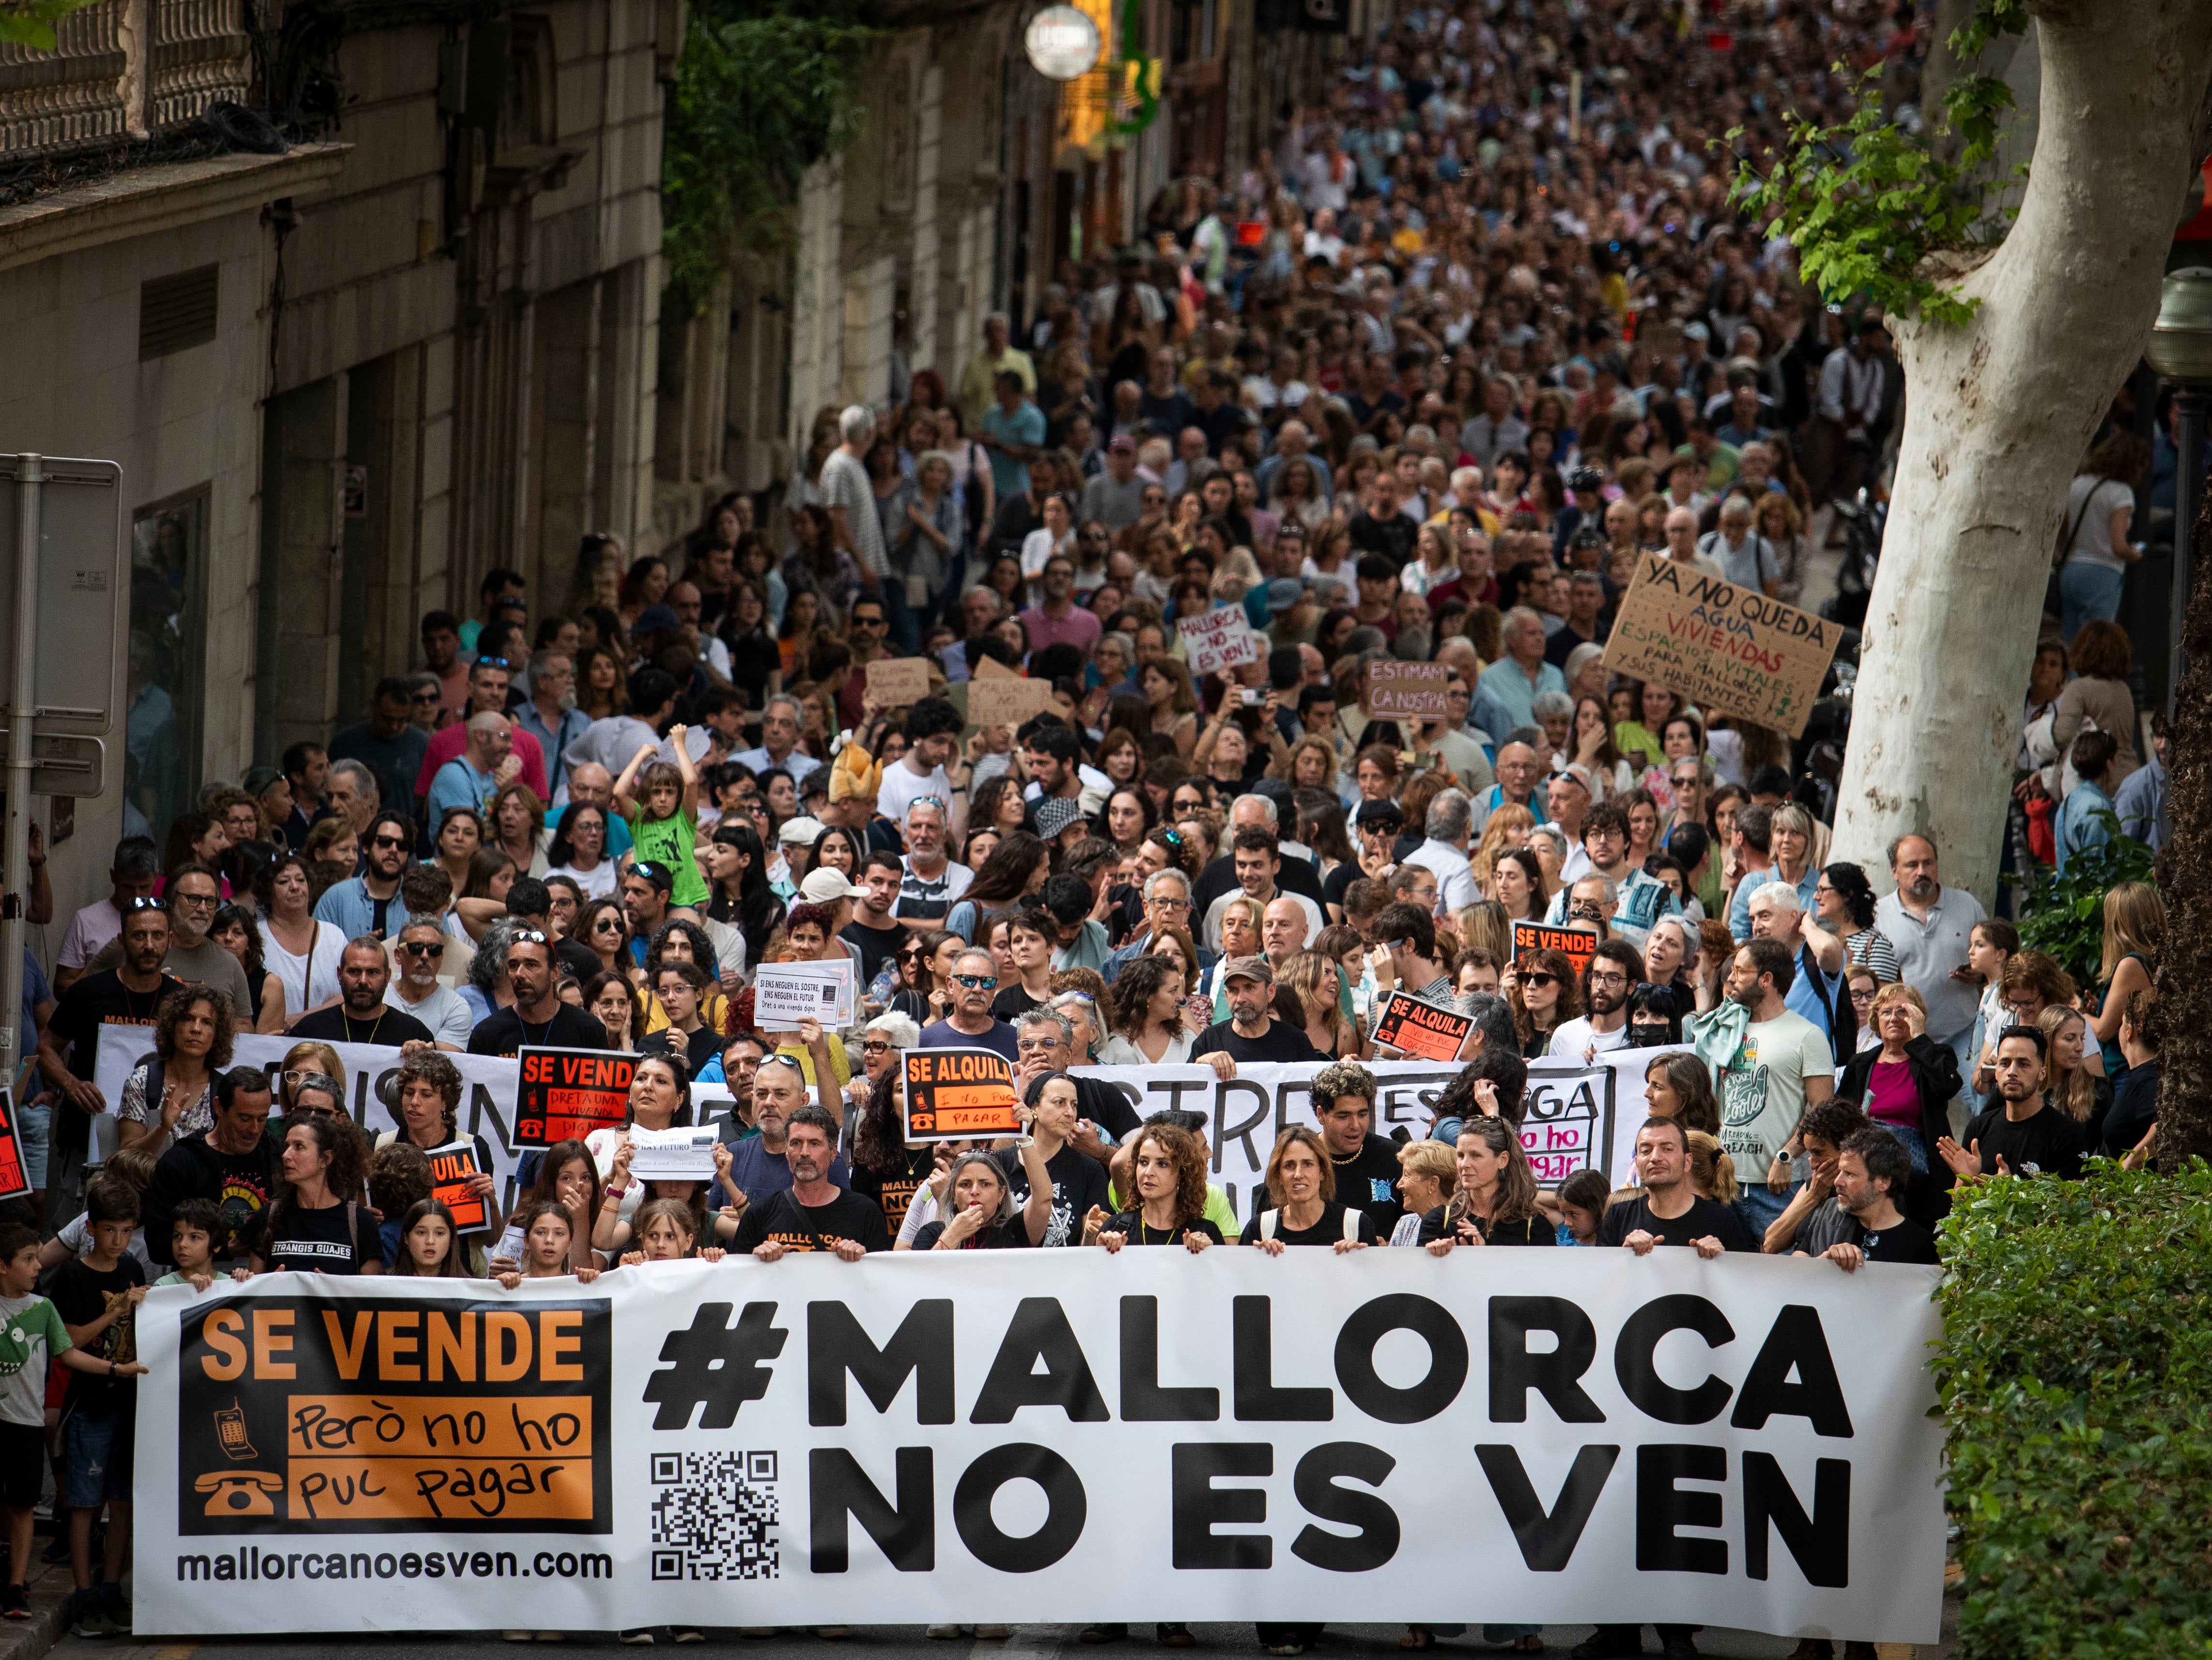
(388, 842)
(875, 1046)
(977, 981)
(427, 697)
(1172, 904)
(193, 901)
(1614, 979)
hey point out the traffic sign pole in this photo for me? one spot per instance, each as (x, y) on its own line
(30, 478)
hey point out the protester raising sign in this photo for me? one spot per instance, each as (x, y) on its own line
(453, 1167)
(1405, 691)
(896, 682)
(1413, 1027)
(1219, 639)
(1720, 645)
(1577, 943)
(566, 1094)
(953, 1094)
(691, 1444)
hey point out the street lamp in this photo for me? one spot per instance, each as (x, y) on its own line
(2181, 350)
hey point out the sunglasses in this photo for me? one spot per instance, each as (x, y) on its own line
(977, 981)
(429, 698)
(388, 842)
(875, 1046)
(527, 937)
(420, 948)
(1539, 978)
(143, 902)
(607, 924)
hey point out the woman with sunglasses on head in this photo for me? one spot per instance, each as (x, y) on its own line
(579, 851)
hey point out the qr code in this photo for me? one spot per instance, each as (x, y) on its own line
(715, 1516)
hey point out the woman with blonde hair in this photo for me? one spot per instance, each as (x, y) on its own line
(1713, 1172)
(2074, 1079)
(1309, 764)
(1428, 1175)
(1484, 926)
(1311, 977)
(1505, 830)
(2134, 934)
(1775, 517)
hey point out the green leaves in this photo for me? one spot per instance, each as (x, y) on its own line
(761, 94)
(2064, 915)
(31, 23)
(2076, 1383)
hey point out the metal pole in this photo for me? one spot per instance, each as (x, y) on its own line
(2187, 501)
(30, 478)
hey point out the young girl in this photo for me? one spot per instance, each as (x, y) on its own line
(429, 1242)
(546, 1236)
(612, 1235)
(666, 1230)
(568, 1175)
(662, 814)
(1582, 1202)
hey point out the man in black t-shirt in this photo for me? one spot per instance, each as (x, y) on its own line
(538, 1018)
(813, 1214)
(1872, 1165)
(2020, 1135)
(233, 1164)
(875, 925)
(1366, 1164)
(360, 1015)
(127, 994)
(1252, 1033)
(1669, 1211)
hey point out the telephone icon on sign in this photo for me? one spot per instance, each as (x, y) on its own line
(239, 1492)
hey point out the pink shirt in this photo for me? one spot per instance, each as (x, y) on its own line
(449, 743)
(1080, 629)
(1892, 1096)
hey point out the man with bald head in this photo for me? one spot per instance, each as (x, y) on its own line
(484, 765)
(1519, 773)
(1282, 930)
(591, 785)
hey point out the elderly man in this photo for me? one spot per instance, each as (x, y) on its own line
(1747, 559)
(1681, 527)
(415, 991)
(471, 778)
(971, 1025)
(591, 785)
(1505, 697)
(1282, 931)
(779, 745)
(1518, 770)
(1816, 992)
(1450, 821)
(934, 881)
(1167, 905)
(351, 793)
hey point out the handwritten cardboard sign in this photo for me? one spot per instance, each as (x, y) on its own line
(1405, 691)
(954, 1094)
(895, 682)
(1577, 942)
(1009, 702)
(451, 1167)
(1413, 1027)
(1217, 640)
(1725, 647)
(990, 668)
(566, 1094)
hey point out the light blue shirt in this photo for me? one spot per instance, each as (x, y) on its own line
(552, 741)
(457, 784)
(759, 761)
(2077, 829)
(2142, 806)
(1024, 426)
(348, 907)
(1506, 685)
(1739, 916)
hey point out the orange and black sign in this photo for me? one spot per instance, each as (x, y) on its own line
(566, 1094)
(954, 1094)
(1579, 944)
(303, 1414)
(15, 1181)
(1413, 1027)
(450, 1169)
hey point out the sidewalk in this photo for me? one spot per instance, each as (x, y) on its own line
(51, 1589)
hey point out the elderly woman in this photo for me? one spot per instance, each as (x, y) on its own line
(1428, 1177)
(171, 1093)
(1908, 1079)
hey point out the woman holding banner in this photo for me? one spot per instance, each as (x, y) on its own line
(1169, 1172)
(1303, 1207)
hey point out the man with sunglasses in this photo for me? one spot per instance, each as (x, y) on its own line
(538, 1018)
(971, 1025)
(414, 990)
(488, 678)
(194, 893)
(367, 903)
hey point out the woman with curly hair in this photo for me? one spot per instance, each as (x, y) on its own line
(679, 939)
(1309, 764)
(1843, 904)
(316, 1223)
(170, 1094)
(428, 1085)
(1146, 1015)
(1167, 1167)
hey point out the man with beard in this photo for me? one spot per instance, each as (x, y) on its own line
(365, 904)
(361, 1014)
(1614, 967)
(416, 991)
(971, 1025)
(1932, 926)
(539, 1016)
(1779, 1064)
(1870, 1167)
(2021, 1134)
(813, 1213)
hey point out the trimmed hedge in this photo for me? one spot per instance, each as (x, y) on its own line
(2075, 1378)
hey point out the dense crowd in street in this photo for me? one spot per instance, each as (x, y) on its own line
(1425, 383)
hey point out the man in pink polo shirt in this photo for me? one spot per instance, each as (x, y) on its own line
(488, 681)
(1059, 620)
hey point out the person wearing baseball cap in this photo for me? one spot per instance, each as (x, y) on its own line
(1252, 1033)
(1116, 496)
(794, 840)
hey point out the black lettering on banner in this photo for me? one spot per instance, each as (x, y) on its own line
(1039, 1330)
(1253, 1372)
(1143, 1399)
(1315, 1483)
(714, 1365)
(1661, 1507)
(1633, 1362)
(1795, 1343)
(1433, 1325)
(1547, 1541)
(1224, 1132)
(1065, 1508)
(1820, 1543)
(906, 1532)
(1199, 1507)
(922, 1347)
(1515, 1370)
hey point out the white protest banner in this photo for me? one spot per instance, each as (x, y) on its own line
(1216, 640)
(785, 994)
(673, 1155)
(1384, 1436)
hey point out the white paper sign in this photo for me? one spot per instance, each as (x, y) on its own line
(1217, 639)
(673, 1155)
(784, 994)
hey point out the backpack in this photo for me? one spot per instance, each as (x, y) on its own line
(1268, 1219)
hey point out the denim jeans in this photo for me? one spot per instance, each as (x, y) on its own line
(2086, 593)
(1757, 1204)
(1913, 1141)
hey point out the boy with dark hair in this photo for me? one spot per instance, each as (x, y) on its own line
(195, 1226)
(98, 1297)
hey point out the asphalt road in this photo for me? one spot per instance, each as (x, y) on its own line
(908, 1643)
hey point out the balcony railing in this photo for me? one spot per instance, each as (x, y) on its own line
(121, 69)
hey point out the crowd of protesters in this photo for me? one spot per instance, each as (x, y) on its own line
(1483, 356)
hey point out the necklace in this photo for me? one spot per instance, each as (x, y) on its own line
(544, 1031)
(373, 1029)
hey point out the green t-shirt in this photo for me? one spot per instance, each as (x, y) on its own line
(668, 842)
(31, 1335)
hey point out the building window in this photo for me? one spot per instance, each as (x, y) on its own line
(168, 557)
